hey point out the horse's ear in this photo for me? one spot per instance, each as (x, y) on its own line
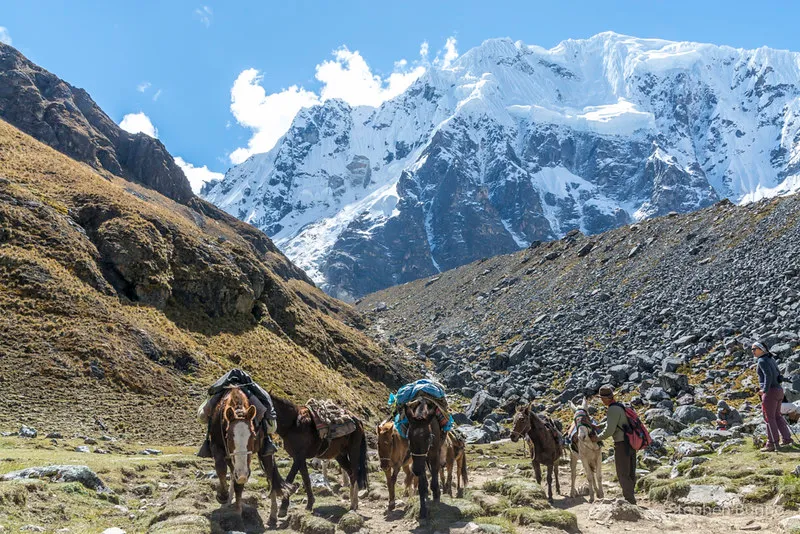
(229, 414)
(251, 412)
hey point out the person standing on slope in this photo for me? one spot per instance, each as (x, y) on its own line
(771, 392)
(624, 454)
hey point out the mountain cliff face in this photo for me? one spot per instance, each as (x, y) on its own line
(65, 117)
(513, 144)
(121, 291)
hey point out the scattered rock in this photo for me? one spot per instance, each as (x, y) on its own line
(27, 432)
(60, 473)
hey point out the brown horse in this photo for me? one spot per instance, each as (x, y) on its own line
(547, 444)
(454, 454)
(394, 455)
(234, 440)
(302, 441)
(424, 442)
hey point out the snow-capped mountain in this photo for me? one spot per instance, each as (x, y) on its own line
(511, 144)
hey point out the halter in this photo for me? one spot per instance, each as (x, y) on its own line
(420, 454)
(229, 455)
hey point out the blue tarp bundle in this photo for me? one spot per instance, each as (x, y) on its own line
(408, 393)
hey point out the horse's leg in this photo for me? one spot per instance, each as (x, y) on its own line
(598, 472)
(550, 483)
(237, 490)
(537, 470)
(435, 488)
(232, 490)
(555, 470)
(573, 472)
(410, 481)
(221, 467)
(307, 484)
(289, 480)
(448, 487)
(459, 469)
(391, 480)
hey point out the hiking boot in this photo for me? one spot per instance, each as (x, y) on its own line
(769, 448)
(789, 443)
(268, 447)
(205, 449)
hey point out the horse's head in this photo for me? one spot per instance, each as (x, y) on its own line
(385, 435)
(521, 423)
(240, 440)
(420, 410)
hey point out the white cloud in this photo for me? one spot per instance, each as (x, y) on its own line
(144, 86)
(269, 116)
(138, 122)
(346, 76)
(450, 52)
(349, 77)
(197, 176)
(5, 37)
(156, 95)
(205, 14)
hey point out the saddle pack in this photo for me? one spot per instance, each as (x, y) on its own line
(332, 421)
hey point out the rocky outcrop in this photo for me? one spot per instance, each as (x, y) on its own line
(664, 310)
(66, 118)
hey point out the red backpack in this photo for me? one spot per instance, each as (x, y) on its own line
(635, 432)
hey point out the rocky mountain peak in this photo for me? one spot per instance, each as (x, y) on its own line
(66, 118)
(512, 144)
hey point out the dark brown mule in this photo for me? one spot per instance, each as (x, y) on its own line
(234, 440)
(425, 442)
(547, 444)
(454, 455)
(394, 456)
(301, 440)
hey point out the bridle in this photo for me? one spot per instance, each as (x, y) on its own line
(522, 434)
(230, 455)
(427, 450)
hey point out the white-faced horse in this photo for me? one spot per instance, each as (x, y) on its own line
(584, 438)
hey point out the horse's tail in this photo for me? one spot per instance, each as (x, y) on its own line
(362, 463)
(276, 482)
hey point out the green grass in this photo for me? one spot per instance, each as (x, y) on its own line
(549, 518)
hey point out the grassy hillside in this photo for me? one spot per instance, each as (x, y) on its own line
(121, 305)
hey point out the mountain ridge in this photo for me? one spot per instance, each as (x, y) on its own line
(513, 144)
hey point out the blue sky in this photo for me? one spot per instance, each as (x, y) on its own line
(177, 61)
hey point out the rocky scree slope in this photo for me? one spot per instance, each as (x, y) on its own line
(513, 144)
(120, 303)
(662, 309)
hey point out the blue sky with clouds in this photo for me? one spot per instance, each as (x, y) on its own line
(221, 80)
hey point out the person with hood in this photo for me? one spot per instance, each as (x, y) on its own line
(771, 392)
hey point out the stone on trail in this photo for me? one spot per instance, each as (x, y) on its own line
(790, 524)
(113, 530)
(685, 449)
(59, 473)
(711, 495)
(82, 448)
(606, 510)
(27, 432)
(473, 434)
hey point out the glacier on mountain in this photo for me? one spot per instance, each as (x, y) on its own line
(511, 144)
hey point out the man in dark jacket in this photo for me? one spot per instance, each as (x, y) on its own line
(624, 454)
(769, 383)
(258, 397)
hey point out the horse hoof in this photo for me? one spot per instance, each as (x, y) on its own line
(459, 494)
(222, 498)
(272, 522)
(391, 506)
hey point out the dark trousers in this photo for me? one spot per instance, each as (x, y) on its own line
(776, 424)
(625, 462)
